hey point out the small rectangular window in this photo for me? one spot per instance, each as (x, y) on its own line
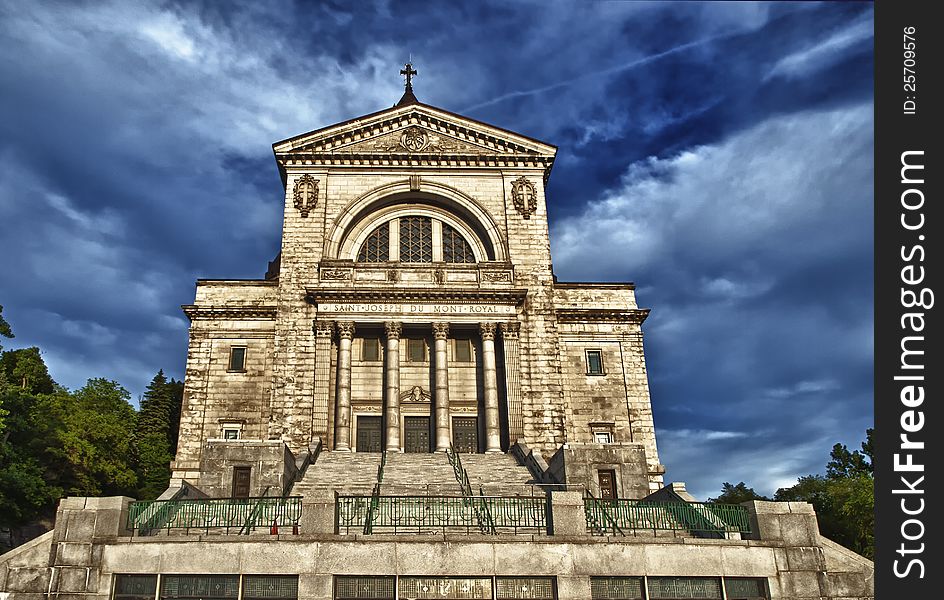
(524, 588)
(374, 587)
(616, 588)
(463, 351)
(603, 437)
(231, 434)
(416, 350)
(681, 588)
(270, 587)
(237, 358)
(135, 587)
(594, 362)
(370, 349)
(744, 588)
(200, 587)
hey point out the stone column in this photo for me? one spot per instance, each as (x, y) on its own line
(319, 418)
(443, 420)
(492, 421)
(512, 380)
(342, 422)
(392, 365)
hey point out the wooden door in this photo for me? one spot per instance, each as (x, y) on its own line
(465, 434)
(369, 434)
(607, 480)
(416, 434)
(242, 482)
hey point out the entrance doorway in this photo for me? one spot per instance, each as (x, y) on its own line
(416, 434)
(242, 482)
(369, 434)
(607, 481)
(465, 434)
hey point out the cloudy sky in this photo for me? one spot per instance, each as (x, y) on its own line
(717, 154)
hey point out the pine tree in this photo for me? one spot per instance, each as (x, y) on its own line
(176, 392)
(152, 438)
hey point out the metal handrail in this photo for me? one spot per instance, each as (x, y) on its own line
(589, 501)
(696, 518)
(227, 514)
(418, 514)
(251, 518)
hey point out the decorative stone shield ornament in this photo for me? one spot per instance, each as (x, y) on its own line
(525, 197)
(414, 139)
(306, 194)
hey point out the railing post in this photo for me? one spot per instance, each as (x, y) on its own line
(566, 515)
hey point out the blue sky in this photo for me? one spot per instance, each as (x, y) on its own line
(717, 154)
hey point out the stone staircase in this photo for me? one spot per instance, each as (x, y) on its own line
(498, 475)
(344, 472)
(407, 474)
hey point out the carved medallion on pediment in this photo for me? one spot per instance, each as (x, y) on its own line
(524, 196)
(306, 194)
(413, 140)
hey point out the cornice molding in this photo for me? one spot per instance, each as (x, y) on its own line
(602, 315)
(194, 312)
(399, 295)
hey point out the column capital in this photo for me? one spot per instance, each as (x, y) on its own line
(393, 329)
(487, 330)
(510, 329)
(324, 328)
(346, 330)
(440, 331)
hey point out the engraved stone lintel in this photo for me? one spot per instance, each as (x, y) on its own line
(487, 330)
(324, 328)
(346, 329)
(524, 196)
(510, 329)
(501, 276)
(440, 330)
(335, 274)
(305, 194)
(393, 329)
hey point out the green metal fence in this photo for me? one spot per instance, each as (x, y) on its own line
(431, 514)
(616, 517)
(223, 515)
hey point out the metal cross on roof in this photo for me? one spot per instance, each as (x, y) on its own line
(409, 72)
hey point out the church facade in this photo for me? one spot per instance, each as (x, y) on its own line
(410, 405)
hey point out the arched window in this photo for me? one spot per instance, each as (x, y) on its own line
(377, 246)
(417, 235)
(416, 239)
(454, 247)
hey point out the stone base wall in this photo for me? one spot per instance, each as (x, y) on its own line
(272, 464)
(89, 546)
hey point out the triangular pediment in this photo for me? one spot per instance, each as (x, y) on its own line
(414, 129)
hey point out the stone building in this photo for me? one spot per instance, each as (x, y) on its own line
(410, 405)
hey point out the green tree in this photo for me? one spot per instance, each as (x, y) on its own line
(176, 389)
(5, 329)
(26, 368)
(735, 494)
(152, 437)
(96, 439)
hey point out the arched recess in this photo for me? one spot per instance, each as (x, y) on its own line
(365, 213)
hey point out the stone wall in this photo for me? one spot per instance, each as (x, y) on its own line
(272, 464)
(89, 545)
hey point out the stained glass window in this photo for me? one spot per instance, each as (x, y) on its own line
(204, 587)
(455, 248)
(616, 588)
(745, 588)
(416, 239)
(135, 587)
(677, 588)
(376, 248)
(348, 587)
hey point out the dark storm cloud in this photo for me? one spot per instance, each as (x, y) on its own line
(723, 148)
